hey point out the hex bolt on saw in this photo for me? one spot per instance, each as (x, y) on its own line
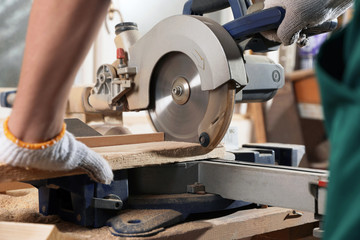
(189, 70)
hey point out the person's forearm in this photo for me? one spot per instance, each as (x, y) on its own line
(59, 35)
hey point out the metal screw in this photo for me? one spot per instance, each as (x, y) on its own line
(196, 188)
(293, 214)
(276, 76)
(204, 139)
(102, 78)
(177, 91)
(297, 213)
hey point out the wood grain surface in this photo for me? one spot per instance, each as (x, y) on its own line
(122, 157)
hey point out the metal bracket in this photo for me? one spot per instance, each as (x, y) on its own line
(112, 202)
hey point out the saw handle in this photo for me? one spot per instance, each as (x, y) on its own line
(199, 7)
(207, 6)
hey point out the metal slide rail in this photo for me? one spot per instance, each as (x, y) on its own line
(288, 187)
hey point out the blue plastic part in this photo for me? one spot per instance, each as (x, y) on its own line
(187, 8)
(72, 198)
(248, 25)
(248, 3)
(3, 98)
(283, 155)
(237, 8)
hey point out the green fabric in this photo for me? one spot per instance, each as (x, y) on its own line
(339, 78)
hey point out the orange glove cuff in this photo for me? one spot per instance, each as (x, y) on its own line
(32, 146)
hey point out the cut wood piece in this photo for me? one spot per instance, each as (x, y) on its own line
(29, 231)
(13, 186)
(146, 154)
(123, 157)
(102, 141)
(12, 174)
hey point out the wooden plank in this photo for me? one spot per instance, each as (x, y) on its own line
(307, 91)
(75, 103)
(306, 87)
(29, 231)
(304, 232)
(300, 74)
(256, 112)
(123, 157)
(102, 141)
(13, 186)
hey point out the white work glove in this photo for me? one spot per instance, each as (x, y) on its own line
(302, 14)
(66, 154)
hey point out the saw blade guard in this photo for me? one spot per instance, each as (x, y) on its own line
(212, 49)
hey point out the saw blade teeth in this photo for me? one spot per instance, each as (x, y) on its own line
(179, 107)
(179, 103)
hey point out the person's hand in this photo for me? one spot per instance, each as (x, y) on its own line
(302, 14)
(65, 154)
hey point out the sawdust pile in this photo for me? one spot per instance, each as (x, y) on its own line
(22, 206)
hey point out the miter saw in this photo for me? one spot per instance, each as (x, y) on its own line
(189, 70)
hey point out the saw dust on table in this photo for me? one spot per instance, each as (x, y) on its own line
(123, 157)
(22, 206)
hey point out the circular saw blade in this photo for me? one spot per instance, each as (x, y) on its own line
(179, 107)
